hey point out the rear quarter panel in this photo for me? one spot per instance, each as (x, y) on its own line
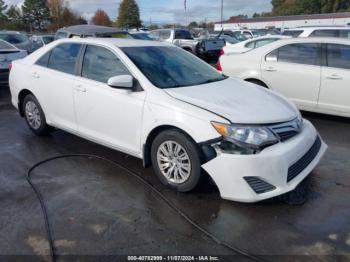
(19, 79)
(243, 66)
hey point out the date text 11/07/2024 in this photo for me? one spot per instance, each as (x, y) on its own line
(173, 258)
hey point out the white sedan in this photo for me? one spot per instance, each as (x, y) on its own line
(159, 103)
(312, 72)
(250, 44)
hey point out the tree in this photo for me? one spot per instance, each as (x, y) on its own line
(101, 18)
(3, 8)
(129, 14)
(62, 15)
(14, 18)
(36, 14)
(299, 7)
(193, 25)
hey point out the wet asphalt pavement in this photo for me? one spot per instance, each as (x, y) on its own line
(96, 208)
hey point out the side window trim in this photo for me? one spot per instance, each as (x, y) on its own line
(80, 60)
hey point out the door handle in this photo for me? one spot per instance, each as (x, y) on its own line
(334, 77)
(80, 88)
(270, 69)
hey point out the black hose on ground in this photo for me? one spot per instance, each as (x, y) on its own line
(143, 181)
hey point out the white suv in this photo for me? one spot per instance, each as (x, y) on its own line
(330, 31)
(159, 103)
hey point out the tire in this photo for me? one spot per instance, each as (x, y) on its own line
(35, 117)
(185, 164)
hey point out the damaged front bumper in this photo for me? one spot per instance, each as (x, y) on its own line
(276, 170)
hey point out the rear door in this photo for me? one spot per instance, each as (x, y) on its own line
(294, 70)
(53, 76)
(335, 88)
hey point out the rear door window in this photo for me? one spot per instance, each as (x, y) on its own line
(303, 53)
(325, 33)
(338, 56)
(293, 33)
(100, 64)
(64, 57)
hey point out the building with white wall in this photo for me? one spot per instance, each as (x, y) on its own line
(336, 19)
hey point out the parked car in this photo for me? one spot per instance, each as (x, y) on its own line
(250, 44)
(312, 72)
(329, 31)
(170, 109)
(246, 33)
(8, 53)
(84, 31)
(19, 40)
(235, 34)
(39, 41)
(204, 48)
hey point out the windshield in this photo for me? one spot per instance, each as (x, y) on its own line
(171, 67)
(48, 39)
(230, 39)
(14, 38)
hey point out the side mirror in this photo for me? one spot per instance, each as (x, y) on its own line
(122, 82)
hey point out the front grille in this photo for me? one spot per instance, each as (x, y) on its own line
(299, 166)
(287, 130)
(258, 185)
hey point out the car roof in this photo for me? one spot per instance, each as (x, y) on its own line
(11, 32)
(119, 42)
(90, 29)
(317, 28)
(317, 40)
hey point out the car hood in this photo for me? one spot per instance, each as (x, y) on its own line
(238, 101)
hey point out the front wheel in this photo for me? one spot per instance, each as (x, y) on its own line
(176, 160)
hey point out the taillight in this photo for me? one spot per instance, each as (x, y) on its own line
(218, 66)
(10, 67)
(222, 51)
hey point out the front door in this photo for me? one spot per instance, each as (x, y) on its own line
(107, 115)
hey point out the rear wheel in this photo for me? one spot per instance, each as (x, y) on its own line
(176, 160)
(35, 116)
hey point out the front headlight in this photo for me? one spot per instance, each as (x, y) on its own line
(254, 137)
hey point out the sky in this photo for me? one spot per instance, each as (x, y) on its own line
(171, 11)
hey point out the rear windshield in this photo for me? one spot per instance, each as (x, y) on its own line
(6, 46)
(14, 38)
(171, 67)
(48, 39)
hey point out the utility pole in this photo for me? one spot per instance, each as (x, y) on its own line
(222, 13)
